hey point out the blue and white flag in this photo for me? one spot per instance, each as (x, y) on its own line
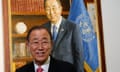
(79, 15)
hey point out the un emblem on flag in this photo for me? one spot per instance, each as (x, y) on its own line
(86, 27)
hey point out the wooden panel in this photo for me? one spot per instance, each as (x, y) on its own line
(6, 36)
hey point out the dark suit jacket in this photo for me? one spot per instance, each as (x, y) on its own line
(68, 45)
(55, 66)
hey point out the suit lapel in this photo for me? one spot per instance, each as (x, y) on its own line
(61, 33)
(48, 25)
(51, 65)
(31, 67)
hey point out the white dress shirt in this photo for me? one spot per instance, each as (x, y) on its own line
(45, 66)
(57, 25)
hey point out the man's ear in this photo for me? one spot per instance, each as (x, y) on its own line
(27, 45)
(51, 46)
(52, 43)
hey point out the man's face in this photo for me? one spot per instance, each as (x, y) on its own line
(53, 10)
(40, 45)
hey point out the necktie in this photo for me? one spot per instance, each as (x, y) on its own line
(39, 69)
(54, 32)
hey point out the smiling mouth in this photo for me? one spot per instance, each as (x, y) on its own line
(40, 53)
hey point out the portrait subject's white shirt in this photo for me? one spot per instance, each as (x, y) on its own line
(45, 66)
(57, 25)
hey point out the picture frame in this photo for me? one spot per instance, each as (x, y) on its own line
(94, 8)
(90, 4)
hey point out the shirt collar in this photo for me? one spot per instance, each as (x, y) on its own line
(58, 23)
(45, 66)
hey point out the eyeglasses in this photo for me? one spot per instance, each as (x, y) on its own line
(40, 42)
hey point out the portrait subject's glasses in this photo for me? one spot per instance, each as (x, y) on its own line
(40, 43)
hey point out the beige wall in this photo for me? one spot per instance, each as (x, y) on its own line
(111, 26)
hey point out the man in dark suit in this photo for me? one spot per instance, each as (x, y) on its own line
(39, 42)
(67, 40)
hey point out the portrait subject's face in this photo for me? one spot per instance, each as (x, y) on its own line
(53, 10)
(39, 45)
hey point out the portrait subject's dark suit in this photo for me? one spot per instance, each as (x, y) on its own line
(68, 45)
(55, 66)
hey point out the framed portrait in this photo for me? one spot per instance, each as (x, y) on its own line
(20, 15)
(94, 10)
